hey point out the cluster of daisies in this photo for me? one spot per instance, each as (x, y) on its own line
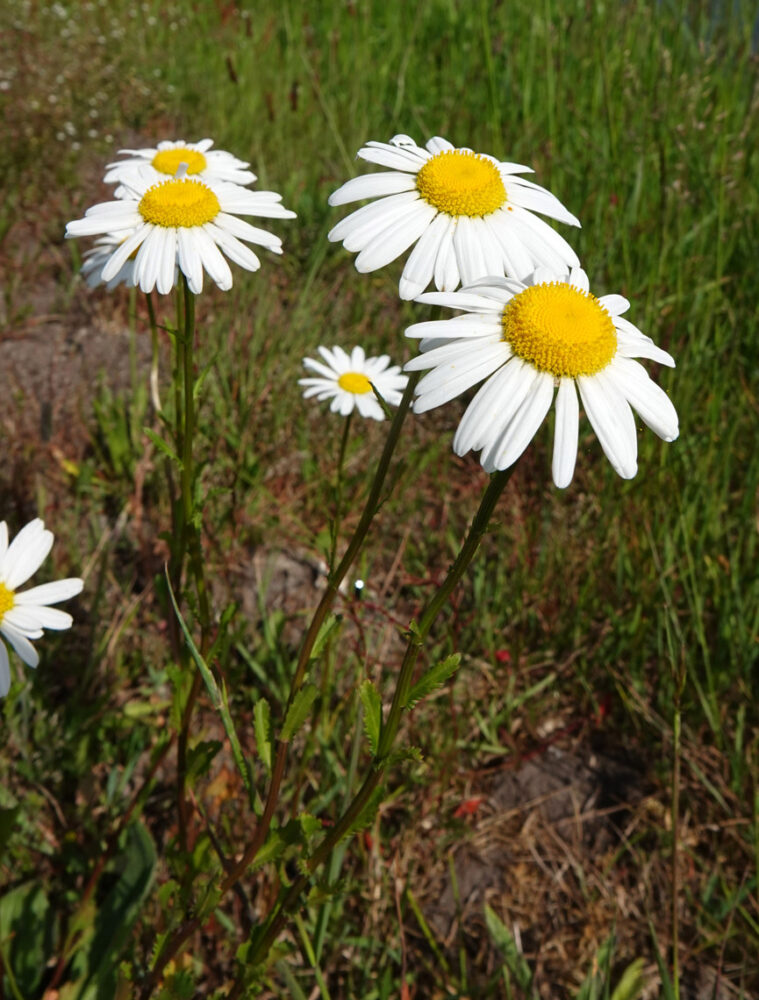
(177, 208)
(528, 333)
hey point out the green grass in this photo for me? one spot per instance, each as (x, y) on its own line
(639, 118)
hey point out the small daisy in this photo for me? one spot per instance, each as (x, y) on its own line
(181, 222)
(24, 615)
(165, 159)
(527, 338)
(469, 215)
(347, 380)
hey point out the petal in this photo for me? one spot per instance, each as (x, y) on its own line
(487, 413)
(372, 186)
(448, 381)
(523, 427)
(124, 252)
(189, 260)
(420, 265)
(652, 404)
(355, 229)
(213, 260)
(469, 253)
(21, 644)
(514, 391)
(612, 420)
(29, 620)
(565, 433)
(50, 593)
(396, 239)
(26, 553)
(615, 305)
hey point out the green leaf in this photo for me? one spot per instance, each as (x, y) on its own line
(325, 631)
(159, 442)
(27, 922)
(633, 982)
(262, 725)
(370, 699)
(435, 677)
(298, 711)
(513, 960)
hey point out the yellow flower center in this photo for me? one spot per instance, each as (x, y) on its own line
(7, 600)
(354, 382)
(168, 160)
(179, 204)
(560, 329)
(461, 183)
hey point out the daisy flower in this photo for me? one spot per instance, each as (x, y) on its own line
(347, 380)
(165, 159)
(24, 614)
(527, 338)
(469, 215)
(181, 222)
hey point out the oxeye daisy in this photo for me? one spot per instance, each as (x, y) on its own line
(526, 339)
(165, 159)
(469, 215)
(347, 380)
(24, 614)
(182, 222)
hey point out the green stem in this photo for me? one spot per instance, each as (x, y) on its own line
(335, 530)
(390, 727)
(154, 394)
(371, 507)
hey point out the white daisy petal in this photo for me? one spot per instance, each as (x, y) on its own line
(525, 423)
(420, 265)
(372, 186)
(394, 240)
(615, 305)
(21, 644)
(447, 381)
(26, 553)
(566, 433)
(651, 403)
(605, 411)
(50, 593)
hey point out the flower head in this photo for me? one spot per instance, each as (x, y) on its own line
(347, 380)
(527, 338)
(468, 214)
(165, 159)
(24, 614)
(181, 222)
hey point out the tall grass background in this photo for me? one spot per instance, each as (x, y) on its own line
(585, 608)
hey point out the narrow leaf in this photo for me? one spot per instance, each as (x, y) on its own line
(298, 711)
(162, 445)
(370, 699)
(435, 677)
(262, 725)
(324, 633)
(513, 960)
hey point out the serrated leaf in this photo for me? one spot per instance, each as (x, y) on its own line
(275, 844)
(325, 632)
(435, 677)
(310, 825)
(632, 983)
(262, 726)
(159, 442)
(372, 703)
(402, 754)
(296, 714)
